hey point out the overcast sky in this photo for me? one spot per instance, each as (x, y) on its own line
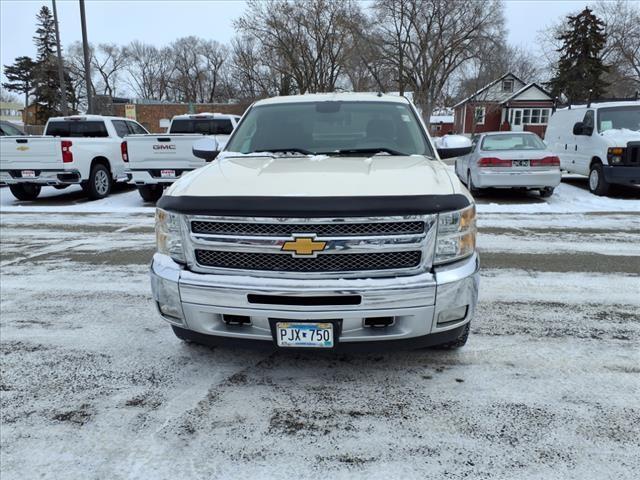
(160, 22)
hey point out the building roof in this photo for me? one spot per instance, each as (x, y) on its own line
(486, 87)
(524, 89)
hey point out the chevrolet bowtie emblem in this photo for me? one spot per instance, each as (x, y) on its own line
(303, 246)
(22, 148)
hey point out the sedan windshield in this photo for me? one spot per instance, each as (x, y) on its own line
(619, 117)
(331, 127)
(512, 141)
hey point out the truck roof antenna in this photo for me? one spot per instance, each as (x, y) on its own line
(589, 102)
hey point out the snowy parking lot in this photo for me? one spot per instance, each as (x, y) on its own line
(95, 385)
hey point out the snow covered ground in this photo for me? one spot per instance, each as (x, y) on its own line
(94, 385)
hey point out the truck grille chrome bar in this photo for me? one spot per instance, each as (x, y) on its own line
(278, 262)
(321, 230)
(360, 247)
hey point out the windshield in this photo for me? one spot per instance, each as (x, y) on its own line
(619, 117)
(331, 127)
(512, 141)
(218, 126)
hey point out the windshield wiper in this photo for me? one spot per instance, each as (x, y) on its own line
(285, 150)
(370, 151)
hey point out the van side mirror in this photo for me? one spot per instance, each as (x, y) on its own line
(206, 148)
(451, 146)
(580, 128)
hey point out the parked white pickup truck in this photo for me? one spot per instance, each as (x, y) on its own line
(156, 161)
(82, 149)
(328, 221)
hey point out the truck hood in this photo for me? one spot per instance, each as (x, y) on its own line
(317, 176)
(618, 137)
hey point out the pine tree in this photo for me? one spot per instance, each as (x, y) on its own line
(47, 82)
(20, 77)
(580, 67)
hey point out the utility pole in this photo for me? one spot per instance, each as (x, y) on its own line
(87, 63)
(63, 86)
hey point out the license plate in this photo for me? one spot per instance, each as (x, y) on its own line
(167, 173)
(28, 174)
(520, 163)
(305, 335)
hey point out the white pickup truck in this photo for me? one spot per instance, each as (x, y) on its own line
(82, 149)
(156, 161)
(328, 221)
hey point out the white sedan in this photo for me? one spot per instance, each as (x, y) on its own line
(509, 160)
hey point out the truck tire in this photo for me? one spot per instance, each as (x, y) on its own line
(150, 193)
(597, 183)
(25, 191)
(100, 182)
(458, 342)
(182, 334)
(546, 192)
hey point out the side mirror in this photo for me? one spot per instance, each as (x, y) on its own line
(577, 128)
(453, 146)
(581, 129)
(206, 148)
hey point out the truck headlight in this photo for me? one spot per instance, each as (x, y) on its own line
(168, 235)
(615, 155)
(456, 236)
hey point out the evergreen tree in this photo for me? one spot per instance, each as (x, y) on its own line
(580, 67)
(20, 77)
(47, 82)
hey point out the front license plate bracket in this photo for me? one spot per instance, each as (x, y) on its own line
(336, 328)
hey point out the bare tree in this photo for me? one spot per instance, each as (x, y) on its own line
(442, 36)
(254, 78)
(149, 70)
(622, 50)
(305, 40)
(108, 61)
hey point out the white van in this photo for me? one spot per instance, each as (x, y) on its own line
(601, 140)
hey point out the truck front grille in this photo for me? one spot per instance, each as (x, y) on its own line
(320, 229)
(278, 262)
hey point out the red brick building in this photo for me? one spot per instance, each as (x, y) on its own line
(506, 104)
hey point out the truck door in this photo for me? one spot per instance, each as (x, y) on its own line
(584, 145)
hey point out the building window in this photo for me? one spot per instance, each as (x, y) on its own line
(478, 116)
(507, 85)
(533, 116)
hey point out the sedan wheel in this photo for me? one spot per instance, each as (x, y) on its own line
(472, 189)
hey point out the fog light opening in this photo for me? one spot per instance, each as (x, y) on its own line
(452, 315)
(378, 322)
(170, 311)
(236, 319)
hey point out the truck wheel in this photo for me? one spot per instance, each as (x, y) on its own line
(597, 183)
(470, 186)
(150, 193)
(546, 192)
(458, 342)
(100, 182)
(25, 191)
(182, 334)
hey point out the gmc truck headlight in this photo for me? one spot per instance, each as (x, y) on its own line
(168, 235)
(456, 236)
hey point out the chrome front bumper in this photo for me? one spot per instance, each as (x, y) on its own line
(518, 179)
(198, 302)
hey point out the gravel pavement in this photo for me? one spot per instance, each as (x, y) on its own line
(95, 386)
